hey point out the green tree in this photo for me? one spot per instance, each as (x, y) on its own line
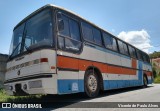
(155, 55)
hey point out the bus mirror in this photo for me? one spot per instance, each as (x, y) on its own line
(60, 25)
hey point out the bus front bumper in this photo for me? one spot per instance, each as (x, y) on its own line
(32, 86)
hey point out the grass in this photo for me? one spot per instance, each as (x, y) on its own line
(6, 98)
(157, 79)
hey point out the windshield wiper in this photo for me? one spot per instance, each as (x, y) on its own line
(14, 51)
(27, 49)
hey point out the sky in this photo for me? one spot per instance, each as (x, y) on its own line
(134, 21)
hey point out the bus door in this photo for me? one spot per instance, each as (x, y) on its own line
(69, 45)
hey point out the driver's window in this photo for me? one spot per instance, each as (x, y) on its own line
(69, 33)
(63, 25)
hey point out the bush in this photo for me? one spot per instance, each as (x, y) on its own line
(6, 98)
(157, 79)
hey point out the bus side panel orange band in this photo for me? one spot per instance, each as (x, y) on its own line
(82, 65)
(114, 70)
(134, 63)
(67, 62)
(102, 67)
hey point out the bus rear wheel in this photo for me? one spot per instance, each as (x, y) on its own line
(145, 82)
(91, 83)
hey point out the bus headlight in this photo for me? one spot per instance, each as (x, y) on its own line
(25, 86)
(35, 84)
(7, 87)
(10, 87)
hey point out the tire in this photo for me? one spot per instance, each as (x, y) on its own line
(145, 82)
(91, 84)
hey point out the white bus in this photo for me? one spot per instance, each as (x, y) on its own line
(54, 51)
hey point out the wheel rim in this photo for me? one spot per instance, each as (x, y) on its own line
(92, 83)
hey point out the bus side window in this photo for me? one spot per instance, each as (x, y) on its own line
(69, 34)
(74, 43)
(97, 36)
(146, 58)
(110, 42)
(74, 30)
(132, 51)
(139, 55)
(125, 49)
(120, 45)
(87, 32)
(91, 33)
(63, 25)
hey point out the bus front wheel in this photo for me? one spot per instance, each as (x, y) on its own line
(91, 83)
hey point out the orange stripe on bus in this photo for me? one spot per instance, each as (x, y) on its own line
(114, 69)
(74, 63)
(134, 63)
(83, 64)
(66, 62)
(102, 67)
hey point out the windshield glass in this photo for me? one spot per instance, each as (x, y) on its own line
(36, 33)
(16, 40)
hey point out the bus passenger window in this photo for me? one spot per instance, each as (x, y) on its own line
(91, 34)
(139, 55)
(132, 51)
(110, 42)
(97, 36)
(125, 49)
(87, 32)
(74, 30)
(120, 44)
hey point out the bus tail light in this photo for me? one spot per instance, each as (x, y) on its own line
(52, 67)
(44, 60)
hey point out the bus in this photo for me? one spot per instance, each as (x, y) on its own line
(55, 51)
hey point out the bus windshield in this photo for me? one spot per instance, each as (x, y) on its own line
(36, 32)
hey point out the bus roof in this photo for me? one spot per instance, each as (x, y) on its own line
(58, 7)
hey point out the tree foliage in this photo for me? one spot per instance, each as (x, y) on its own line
(155, 55)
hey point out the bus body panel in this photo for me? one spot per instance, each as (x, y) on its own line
(120, 73)
(35, 73)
